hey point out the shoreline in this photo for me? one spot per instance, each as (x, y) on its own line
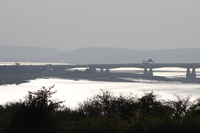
(111, 77)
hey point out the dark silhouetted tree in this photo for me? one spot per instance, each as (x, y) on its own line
(36, 112)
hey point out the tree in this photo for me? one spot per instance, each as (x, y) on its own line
(35, 113)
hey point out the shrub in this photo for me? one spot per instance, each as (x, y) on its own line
(36, 112)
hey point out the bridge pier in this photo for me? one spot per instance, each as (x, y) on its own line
(148, 73)
(194, 73)
(107, 70)
(188, 76)
(91, 70)
(145, 71)
(101, 71)
(191, 75)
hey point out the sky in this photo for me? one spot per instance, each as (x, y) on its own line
(71, 24)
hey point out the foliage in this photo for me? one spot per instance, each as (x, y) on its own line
(101, 113)
(36, 112)
(106, 104)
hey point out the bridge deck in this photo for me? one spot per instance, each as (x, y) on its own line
(110, 66)
(137, 65)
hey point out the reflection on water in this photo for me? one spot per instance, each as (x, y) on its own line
(73, 92)
(172, 72)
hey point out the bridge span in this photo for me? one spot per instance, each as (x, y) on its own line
(148, 68)
(25, 72)
(140, 65)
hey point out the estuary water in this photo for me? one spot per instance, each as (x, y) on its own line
(76, 91)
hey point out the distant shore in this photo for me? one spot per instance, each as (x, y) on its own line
(110, 77)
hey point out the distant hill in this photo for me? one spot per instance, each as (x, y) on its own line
(121, 55)
(96, 55)
(21, 53)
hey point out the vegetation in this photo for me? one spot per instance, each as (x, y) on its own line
(103, 113)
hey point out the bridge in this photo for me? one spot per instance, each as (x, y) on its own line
(148, 68)
(19, 73)
(190, 68)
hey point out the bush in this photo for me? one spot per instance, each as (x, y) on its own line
(35, 113)
(106, 104)
(101, 113)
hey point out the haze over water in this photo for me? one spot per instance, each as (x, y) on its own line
(68, 25)
(73, 92)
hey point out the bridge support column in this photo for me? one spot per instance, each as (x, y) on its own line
(101, 71)
(193, 74)
(107, 70)
(91, 70)
(148, 73)
(145, 71)
(189, 75)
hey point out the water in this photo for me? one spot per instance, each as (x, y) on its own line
(74, 92)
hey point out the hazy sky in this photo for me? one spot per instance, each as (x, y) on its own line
(70, 24)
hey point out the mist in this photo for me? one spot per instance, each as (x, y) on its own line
(68, 25)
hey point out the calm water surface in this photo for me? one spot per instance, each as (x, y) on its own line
(73, 92)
